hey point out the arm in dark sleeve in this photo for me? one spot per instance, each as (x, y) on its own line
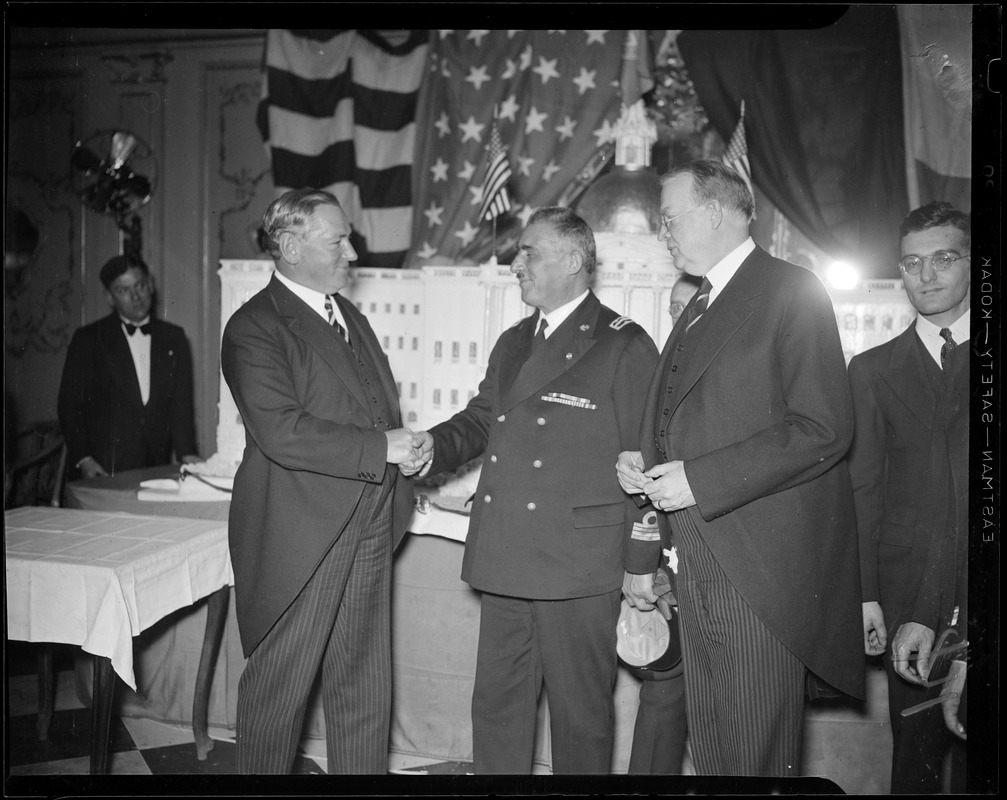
(75, 401)
(183, 425)
(259, 375)
(866, 462)
(816, 429)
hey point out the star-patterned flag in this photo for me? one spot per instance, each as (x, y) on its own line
(557, 94)
(736, 154)
(338, 112)
(495, 198)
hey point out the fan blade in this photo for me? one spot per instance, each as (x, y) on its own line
(137, 185)
(98, 195)
(85, 160)
(123, 144)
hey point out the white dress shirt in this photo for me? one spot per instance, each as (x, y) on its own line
(558, 316)
(930, 334)
(139, 348)
(314, 299)
(724, 270)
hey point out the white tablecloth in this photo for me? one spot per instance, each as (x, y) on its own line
(97, 579)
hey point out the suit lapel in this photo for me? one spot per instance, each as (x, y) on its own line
(723, 319)
(120, 361)
(564, 348)
(305, 324)
(906, 376)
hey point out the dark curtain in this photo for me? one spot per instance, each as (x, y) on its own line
(823, 116)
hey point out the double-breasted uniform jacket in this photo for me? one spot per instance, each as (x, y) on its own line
(101, 413)
(759, 410)
(549, 516)
(312, 447)
(897, 490)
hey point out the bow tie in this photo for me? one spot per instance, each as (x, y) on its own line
(131, 329)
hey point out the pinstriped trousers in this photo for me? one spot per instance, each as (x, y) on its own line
(339, 624)
(744, 690)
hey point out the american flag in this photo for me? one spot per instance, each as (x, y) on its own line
(557, 95)
(736, 154)
(495, 200)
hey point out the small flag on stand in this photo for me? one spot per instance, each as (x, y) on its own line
(495, 199)
(736, 154)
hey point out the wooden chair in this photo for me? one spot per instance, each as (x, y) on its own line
(36, 478)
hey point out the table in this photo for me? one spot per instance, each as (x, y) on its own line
(97, 579)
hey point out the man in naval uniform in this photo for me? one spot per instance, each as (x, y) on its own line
(562, 396)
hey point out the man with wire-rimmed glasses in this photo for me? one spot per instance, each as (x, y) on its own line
(899, 465)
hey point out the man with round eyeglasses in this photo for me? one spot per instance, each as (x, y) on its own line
(125, 398)
(900, 472)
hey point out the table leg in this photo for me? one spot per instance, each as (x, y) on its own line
(46, 691)
(216, 617)
(103, 687)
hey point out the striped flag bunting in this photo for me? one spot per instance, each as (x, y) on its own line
(338, 112)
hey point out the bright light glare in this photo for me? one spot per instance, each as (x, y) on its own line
(843, 276)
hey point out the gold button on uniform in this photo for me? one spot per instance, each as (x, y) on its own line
(537, 464)
(541, 420)
(487, 498)
(493, 459)
(531, 506)
(501, 418)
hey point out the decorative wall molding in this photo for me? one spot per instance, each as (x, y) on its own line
(137, 68)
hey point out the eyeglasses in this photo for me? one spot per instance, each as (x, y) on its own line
(666, 220)
(139, 288)
(941, 260)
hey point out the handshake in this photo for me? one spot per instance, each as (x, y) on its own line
(411, 451)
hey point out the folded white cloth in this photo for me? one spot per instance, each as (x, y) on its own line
(189, 490)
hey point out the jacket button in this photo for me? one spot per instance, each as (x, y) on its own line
(501, 418)
(674, 367)
(541, 420)
(493, 459)
(680, 348)
(487, 498)
(537, 464)
(531, 506)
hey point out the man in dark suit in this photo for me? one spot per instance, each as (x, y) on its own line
(317, 506)
(562, 395)
(747, 419)
(125, 399)
(898, 461)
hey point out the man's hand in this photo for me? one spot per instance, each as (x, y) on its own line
(875, 632)
(912, 637)
(639, 590)
(401, 446)
(90, 468)
(951, 694)
(424, 444)
(669, 490)
(629, 468)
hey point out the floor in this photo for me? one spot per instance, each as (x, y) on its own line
(850, 749)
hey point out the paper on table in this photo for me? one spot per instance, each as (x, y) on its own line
(169, 489)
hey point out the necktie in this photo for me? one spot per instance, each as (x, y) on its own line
(131, 329)
(539, 339)
(699, 307)
(949, 345)
(331, 311)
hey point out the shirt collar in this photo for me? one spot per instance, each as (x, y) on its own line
(315, 299)
(558, 316)
(960, 329)
(722, 272)
(142, 322)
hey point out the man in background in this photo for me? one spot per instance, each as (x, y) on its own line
(318, 504)
(562, 395)
(125, 398)
(898, 461)
(747, 419)
(682, 292)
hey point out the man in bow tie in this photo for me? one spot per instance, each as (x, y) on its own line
(902, 479)
(125, 399)
(562, 395)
